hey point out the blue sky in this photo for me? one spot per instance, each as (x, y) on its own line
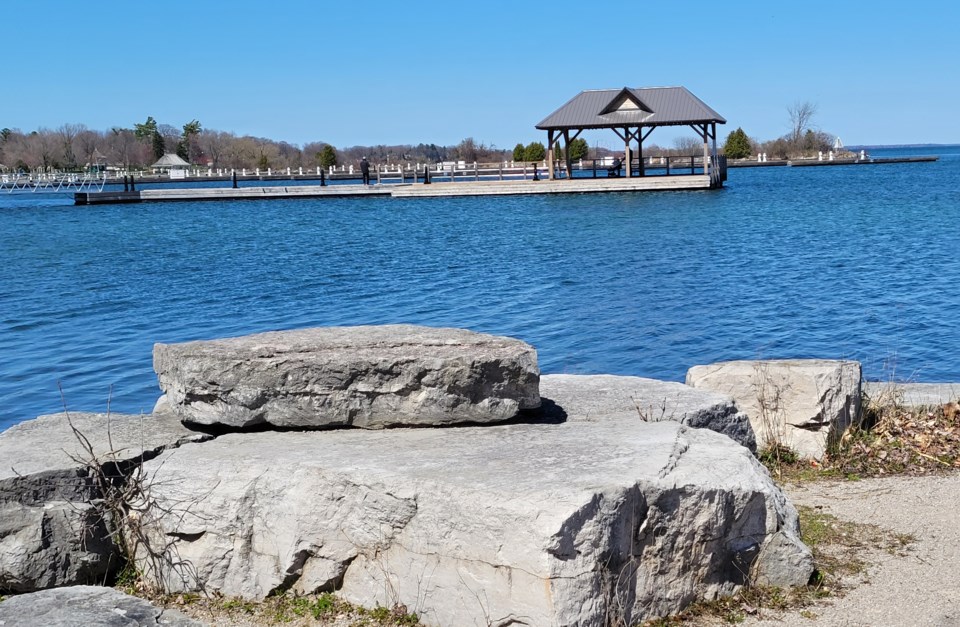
(429, 71)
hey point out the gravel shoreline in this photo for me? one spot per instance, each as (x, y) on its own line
(920, 588)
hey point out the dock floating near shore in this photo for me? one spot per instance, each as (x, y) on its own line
(403, 190)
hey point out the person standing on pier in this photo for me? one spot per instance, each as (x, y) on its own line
(365, 170)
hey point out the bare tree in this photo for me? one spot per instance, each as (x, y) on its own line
(214, 144)
(801, 117)
(688, 146)
(241, 152)
(85, 144)
(124, 147)
(42, 149)
(171, 136)
(67, 133)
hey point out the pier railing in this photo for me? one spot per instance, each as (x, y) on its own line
(452, 172)
(666, 165)
(51, 183)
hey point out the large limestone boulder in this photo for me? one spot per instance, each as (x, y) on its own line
(53, 528)
(801, 403)
(89, 606)
(369, 376)
(571, 523)
(610, 397)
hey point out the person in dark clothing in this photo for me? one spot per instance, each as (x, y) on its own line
(614, 170)
(365, 170)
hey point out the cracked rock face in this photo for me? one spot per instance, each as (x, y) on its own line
(802, 403)
(609, 397)
(53, 530)
(86, 605)
(370, 377)
(541, 524)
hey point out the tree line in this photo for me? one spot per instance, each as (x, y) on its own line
(802, 140)
(74, 147)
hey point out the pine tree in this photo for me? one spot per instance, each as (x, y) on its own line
(518, 152)
(534, 152)
(737, 145)
(159, 147)
(327, 157)
(579, 149)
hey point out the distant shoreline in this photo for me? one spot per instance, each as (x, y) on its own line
(894, 146)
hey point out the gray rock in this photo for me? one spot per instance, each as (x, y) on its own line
(912, 394)
(609, 397)
(89, 606)
(550, 524)
(370, 377)
(804, 404)
(53, 530)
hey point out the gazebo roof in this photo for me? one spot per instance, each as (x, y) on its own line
(170, 160)
(641, 106)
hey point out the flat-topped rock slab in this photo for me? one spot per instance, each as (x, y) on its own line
(551, 524)
(911, 394)
(610, 397)
(366, 376)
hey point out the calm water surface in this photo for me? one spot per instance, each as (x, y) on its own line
(839, 262)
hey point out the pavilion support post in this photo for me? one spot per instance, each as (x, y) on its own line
(566, 152)
(706, 150)
(640, 149)
(550, 154)
(626, 152)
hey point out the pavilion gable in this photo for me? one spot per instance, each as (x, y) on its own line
(626, 102)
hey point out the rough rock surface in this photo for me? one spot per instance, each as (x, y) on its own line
(802, 403)
(371, 377)
(912, 394)
(539, 524)
(609, 397)
(90, 606)
(52, 528)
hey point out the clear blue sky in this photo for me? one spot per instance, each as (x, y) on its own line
(880, 72)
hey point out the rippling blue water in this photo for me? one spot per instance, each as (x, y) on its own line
(837, 262)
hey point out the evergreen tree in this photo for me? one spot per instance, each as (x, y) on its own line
(159, 148)
(518, 152)
(146, 130)
(579, 149)
(737, 145)
(557, 152)
(327, 157)
(534, 152)
(187, 147)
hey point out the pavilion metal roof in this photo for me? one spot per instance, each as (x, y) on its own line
(654, 106)
(170, 160)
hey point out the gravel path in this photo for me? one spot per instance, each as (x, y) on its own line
(922, 588)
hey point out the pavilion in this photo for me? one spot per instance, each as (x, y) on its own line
(172, 163)
(633, 113)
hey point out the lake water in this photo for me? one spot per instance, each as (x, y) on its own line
(852, 262)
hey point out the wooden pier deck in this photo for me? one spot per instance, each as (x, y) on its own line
(405, 190)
